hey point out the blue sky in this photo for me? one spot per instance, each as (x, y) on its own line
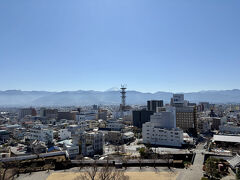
(150, 45)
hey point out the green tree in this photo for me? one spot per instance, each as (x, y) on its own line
(238, 174)
(211, 168)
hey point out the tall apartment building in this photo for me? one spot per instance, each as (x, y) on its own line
(140, 117)
(153, 104)
(26, 111)
(161, 130)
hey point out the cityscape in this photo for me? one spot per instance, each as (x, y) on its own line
(177, 136)
(119, 90)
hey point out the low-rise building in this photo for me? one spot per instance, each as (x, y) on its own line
(64, 134)
(216, 122)
(73, 129)
(40, 134)
(4, 135)
(229, 128)
(114, 137)
(114, 125)
(128, 136)
(38, 147)
(92, 143)
(204, 125)
(86, 116)
(71, 148)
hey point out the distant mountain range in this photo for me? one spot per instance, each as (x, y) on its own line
(111, 96)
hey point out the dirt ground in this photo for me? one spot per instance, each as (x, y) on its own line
(131, 175)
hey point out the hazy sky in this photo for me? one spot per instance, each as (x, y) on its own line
(150, 45)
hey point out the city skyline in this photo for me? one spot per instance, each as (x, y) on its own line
(158, 46)
(118, 89)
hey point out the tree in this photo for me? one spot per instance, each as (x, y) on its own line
(89, 173)
(140, 162)
(154, 160)
(237, 174)
(104, 173)
(211, 167)
(3, 171)
(8, 170)
(167, 157)
(124, 161)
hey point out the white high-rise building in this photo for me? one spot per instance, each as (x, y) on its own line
(161, 130)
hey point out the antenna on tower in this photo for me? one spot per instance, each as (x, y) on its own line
(123, 96)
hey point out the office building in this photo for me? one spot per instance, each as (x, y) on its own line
(26, 111)
(49, 113)
(153, 104)
(178, 100)
(140, 117)
(69, 115)
(186, 116)
(161, 130)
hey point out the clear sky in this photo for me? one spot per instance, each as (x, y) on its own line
(150, 45)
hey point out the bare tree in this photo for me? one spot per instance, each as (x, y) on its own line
(118, 175)
(89, 173)
(167, 157)
(140, 162)
(3, 171)
(104, 173)
(8, 170)
(154, 160)
(124, 161)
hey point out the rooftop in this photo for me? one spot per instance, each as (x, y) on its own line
(225, 138)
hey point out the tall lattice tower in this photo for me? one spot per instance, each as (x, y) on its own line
(123, 96)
